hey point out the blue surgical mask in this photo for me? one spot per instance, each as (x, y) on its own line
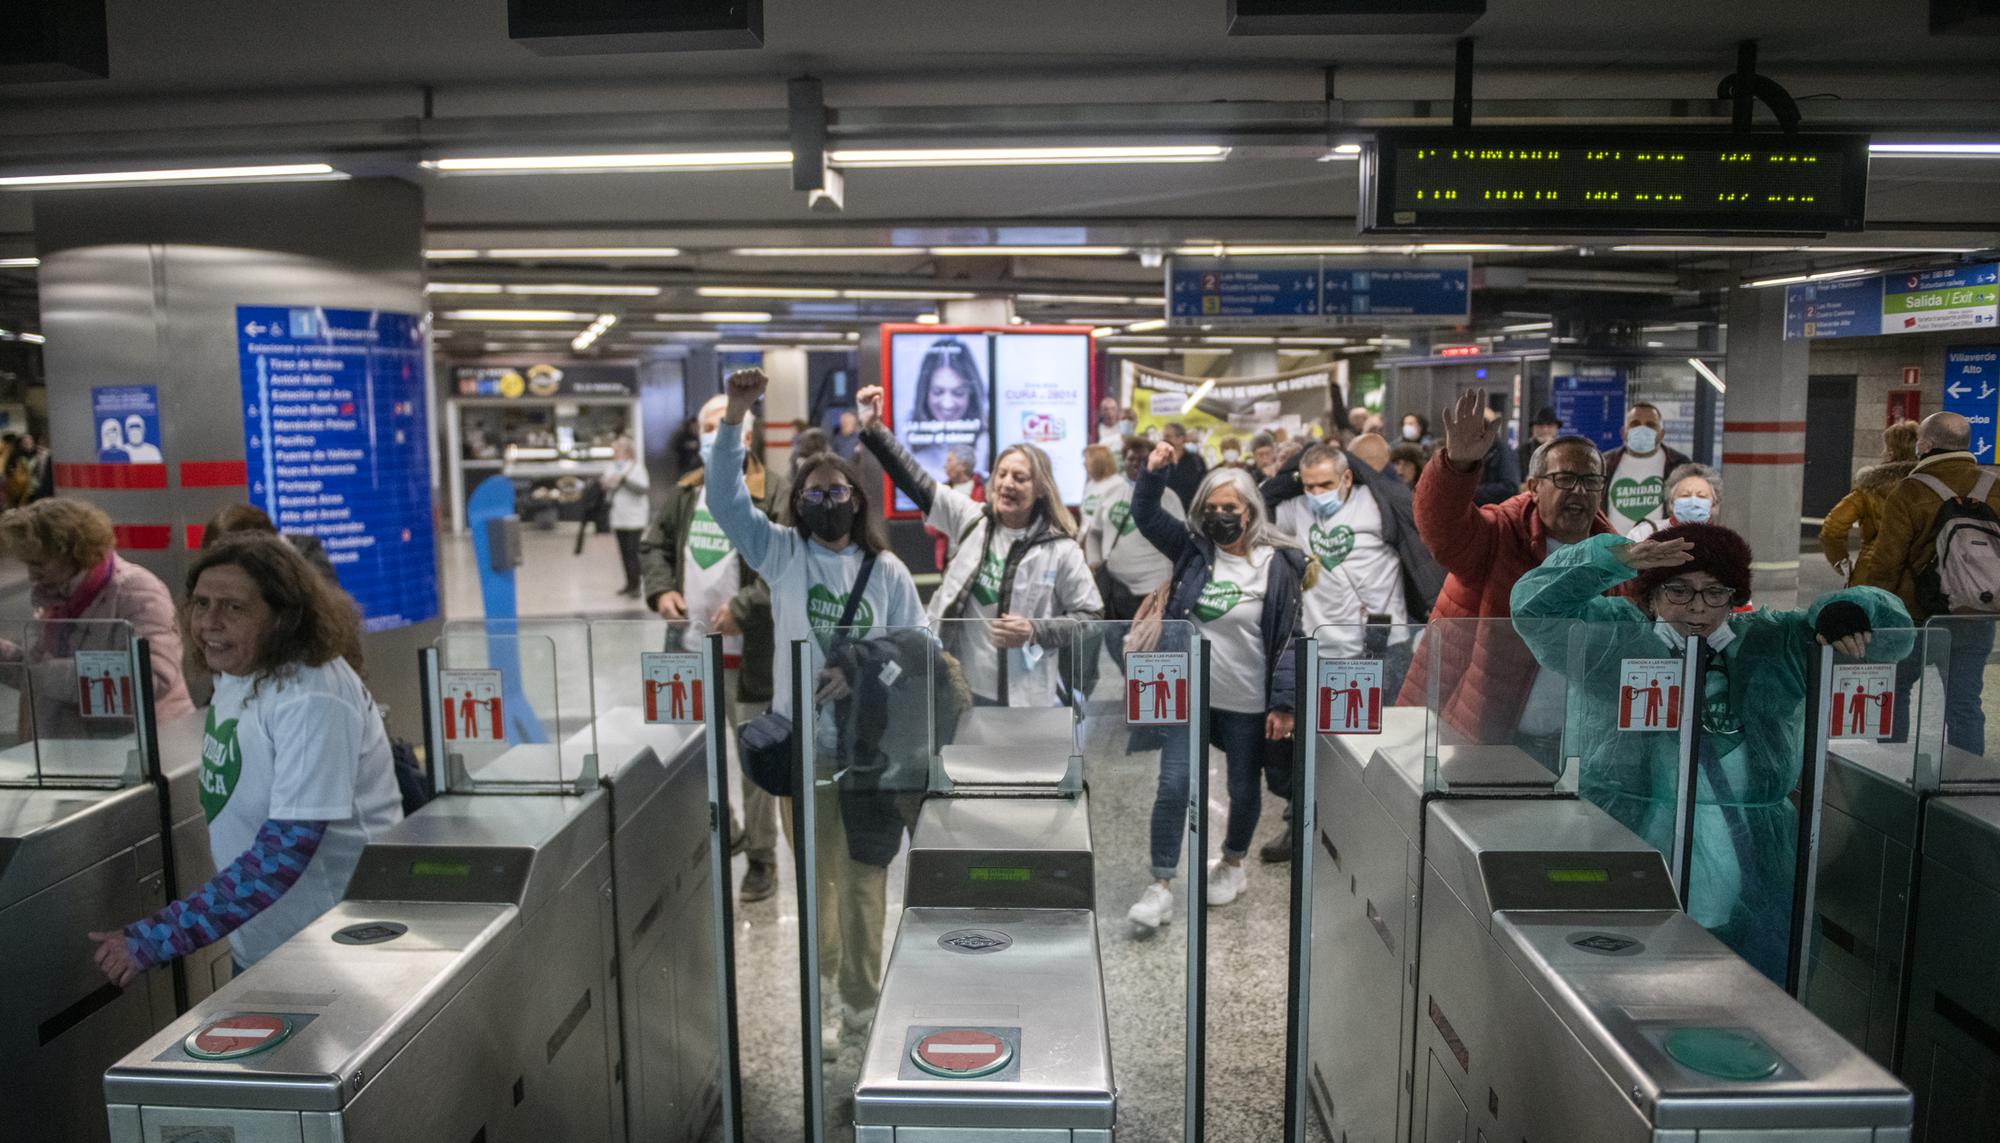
(1642, 438)
(1191, 447)
(1125, 428)
(1326, 503)
(708, 446)
(1692, 509)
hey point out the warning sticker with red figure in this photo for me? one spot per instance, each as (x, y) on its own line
(1649, 694)
(1349, 697)
(104, 684)
(1864, 701)
(1156, 688)
(673, 685)
(472, 706)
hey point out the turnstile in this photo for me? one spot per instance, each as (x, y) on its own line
(530, 957)
(1952, 1055)
(992, 1021)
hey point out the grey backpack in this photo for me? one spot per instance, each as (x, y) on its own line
(1964, 575)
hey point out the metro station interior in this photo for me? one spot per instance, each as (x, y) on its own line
(463, 297)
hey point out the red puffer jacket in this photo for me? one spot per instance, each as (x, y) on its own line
(1486, 670)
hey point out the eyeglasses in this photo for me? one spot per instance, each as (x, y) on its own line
(831, 494)
(1577, 481)
(1715, 594)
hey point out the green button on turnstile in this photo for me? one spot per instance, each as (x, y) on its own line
(1722, 1053)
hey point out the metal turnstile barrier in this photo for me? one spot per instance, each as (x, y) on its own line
(100, 825)
(1525, 940)
(533, 955)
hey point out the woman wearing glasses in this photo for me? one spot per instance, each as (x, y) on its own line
(1015, 564)
(1682, 584)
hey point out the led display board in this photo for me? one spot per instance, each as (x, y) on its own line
(1613, 182)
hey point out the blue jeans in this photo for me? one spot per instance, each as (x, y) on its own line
(1241, 738)
(1964, 717)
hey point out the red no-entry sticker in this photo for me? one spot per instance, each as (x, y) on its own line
(232, 1037)
(962, 1053)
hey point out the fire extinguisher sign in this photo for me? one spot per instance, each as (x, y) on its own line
(674, 687)
(1349, 696)
(1156, 688)
(1864, 700)
(1649, 694)
(104, 684)
(472, 706)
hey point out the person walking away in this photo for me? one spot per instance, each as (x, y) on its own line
(1911, 559)
(625, 483)
(296, 774)
(1863, 505)
(1239, 581)
(846, 436)
(691, 570)
(1015, 565)
(1638, 470)
(814, 565)
(1684, 583)
(1694, 496)
(962, 477)
(1189, 467)
(1491, 691)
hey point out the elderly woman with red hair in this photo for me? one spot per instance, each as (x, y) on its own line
(1684, 583)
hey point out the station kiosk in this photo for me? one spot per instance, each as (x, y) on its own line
(992, 1017)
(513, 961)
(1536, 963)
(100, 825)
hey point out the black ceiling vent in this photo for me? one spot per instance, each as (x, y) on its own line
(53, 40)
(1965, 17)
(602, 27)
(1351, 17)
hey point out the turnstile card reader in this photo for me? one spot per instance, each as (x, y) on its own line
(1555, 960)
(991, 1020)
(1010, 853)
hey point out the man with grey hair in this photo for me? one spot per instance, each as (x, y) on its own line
(1904, 560)
(1185, 477)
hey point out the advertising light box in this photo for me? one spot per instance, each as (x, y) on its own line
(988, 389)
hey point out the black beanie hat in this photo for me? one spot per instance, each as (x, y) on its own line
(1714, 549)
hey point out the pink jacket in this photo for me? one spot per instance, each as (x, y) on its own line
(138, 597)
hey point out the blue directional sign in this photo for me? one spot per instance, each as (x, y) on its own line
(335, 444)
(1843, 307)
(1914, 301)
(1225, 292)
(1592, 403)
(1972, 390)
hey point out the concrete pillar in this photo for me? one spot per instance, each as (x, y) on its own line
(142, 287)
(1763, 440)
(788, 399)
(995, 311)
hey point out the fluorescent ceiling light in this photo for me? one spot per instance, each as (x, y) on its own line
(533, 252)
(584, 289)
(1314, 340)
(461, 287)
(1084, 299)
(1795, 279)
(1648, 249)
(766, 292)
(1937, 150)
(910, 295)
(19, 263)
(829, 251)
(515, 315)
(1141, 350)
(1484, 248)
(1030, 251)
(33, 338)
(928, 319)
(448, 254)
(1146, 326)
(1240, 341)
(647, 161)
(1025, 156)
(280, 172)
(1104, 331)
(1224, 250)
(1528, 327)
(736, 316)
(1708, 375)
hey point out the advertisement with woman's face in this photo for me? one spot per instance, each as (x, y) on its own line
(940, 397)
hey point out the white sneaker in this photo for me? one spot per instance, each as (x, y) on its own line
(1226, 882)
(830, 1028)
(854, 1025)
(1154, 908)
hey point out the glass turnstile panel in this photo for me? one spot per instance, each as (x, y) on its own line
(496, 720)
(1970, 699)
(80, 695)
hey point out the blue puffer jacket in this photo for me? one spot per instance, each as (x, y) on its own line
(1194, 555)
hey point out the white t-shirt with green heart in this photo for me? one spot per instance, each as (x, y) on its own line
(1359, 574)
(710, 574)
(1112, 538)
(982, 599)
(1230, 612)
(1637, 489)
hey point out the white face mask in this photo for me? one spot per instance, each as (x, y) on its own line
(1642, 438)
(1411, 433)
(708, 445)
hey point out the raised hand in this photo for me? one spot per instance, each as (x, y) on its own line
(745, 388)
(1162, 456)
(868, 404)
(1654, 554)
(1468, 435)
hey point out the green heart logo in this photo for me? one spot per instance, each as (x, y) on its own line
(986, 585)
(1121, 518)
(1332, 545)
(823, 608)
(1636, 499)
(706, 543)
(221, 765)
(1216, 599)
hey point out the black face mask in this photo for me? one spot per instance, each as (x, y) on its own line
(1222, 527)
(832, 523)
